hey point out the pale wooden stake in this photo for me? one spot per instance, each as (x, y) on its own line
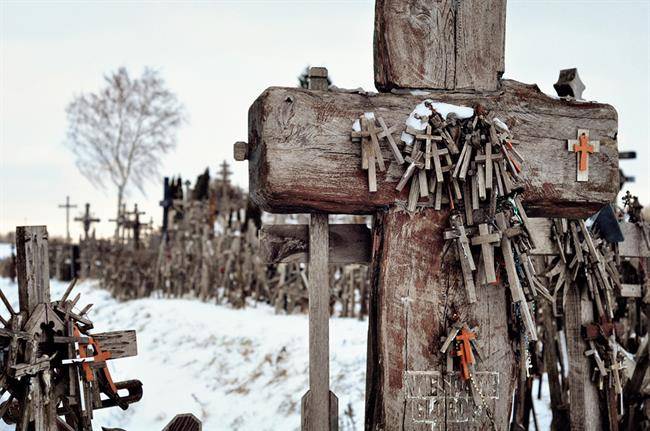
(319, 406)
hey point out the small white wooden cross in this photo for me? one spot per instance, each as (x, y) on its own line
(599, 362)
(486, 239)
(365, 130)
(583, 147)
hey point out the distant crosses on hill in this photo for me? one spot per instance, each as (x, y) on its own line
(120, 133)
(119, 223)
(86, 220)
(134, 224)
(67, 207)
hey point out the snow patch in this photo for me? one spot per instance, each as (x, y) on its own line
(500, 125)
(234, 369)
(416, 122)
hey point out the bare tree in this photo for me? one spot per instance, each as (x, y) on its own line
(121, 132)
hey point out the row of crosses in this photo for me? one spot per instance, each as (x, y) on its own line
(129, 224)
(86, 219)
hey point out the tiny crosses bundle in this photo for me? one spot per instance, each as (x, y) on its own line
(464, 159)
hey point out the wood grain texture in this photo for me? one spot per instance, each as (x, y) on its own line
(301, 158)
(32, 266)
(121, 344)
(480, 44)
(414, 44)
(306, 411)
(584, 408)
(633, 246)
(184, 422)
(443, 44)
(317, 415)
(348, 243)
(413, 294)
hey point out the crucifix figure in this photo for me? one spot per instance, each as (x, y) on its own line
(67, 207)
(583, 147)
(413, 288)
(86, 219)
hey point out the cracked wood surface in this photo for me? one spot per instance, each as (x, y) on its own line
(444, 44)
(120, 344)
(301, 157)
(412, 296)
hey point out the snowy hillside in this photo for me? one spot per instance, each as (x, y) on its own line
(235, 370)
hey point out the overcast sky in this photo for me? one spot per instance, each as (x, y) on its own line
(219, 56)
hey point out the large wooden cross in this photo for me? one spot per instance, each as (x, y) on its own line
(301, 159)
(41, 368)
(68, 206)
(86, 220)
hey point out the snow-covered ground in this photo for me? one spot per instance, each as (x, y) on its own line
(5, 250)
(234, 369)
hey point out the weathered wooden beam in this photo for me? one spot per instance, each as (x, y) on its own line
(444, 44)
(631, 290)
(352, 243)
(414, 295)
(348, 243)
(633, 246)
(184, 422)
(121, 344)
(32, 265)
(301, 158)
(585, 412)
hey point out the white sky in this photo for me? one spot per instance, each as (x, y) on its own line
(219, 56)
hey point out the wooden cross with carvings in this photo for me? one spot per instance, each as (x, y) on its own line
(455, 51)
(53, 380)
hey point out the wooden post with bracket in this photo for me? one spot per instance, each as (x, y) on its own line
(319, 406)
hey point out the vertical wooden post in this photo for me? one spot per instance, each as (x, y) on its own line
(585, 412)
(33, 289)
(319, 406)
(33, 267)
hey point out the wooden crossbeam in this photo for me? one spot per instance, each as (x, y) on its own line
(348, 243)
(633, 246)
(352, 243)
(120, 344)
(289, 126)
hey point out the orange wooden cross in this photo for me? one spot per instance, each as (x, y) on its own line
(583, 147)
(464, 351)
(98, 356)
